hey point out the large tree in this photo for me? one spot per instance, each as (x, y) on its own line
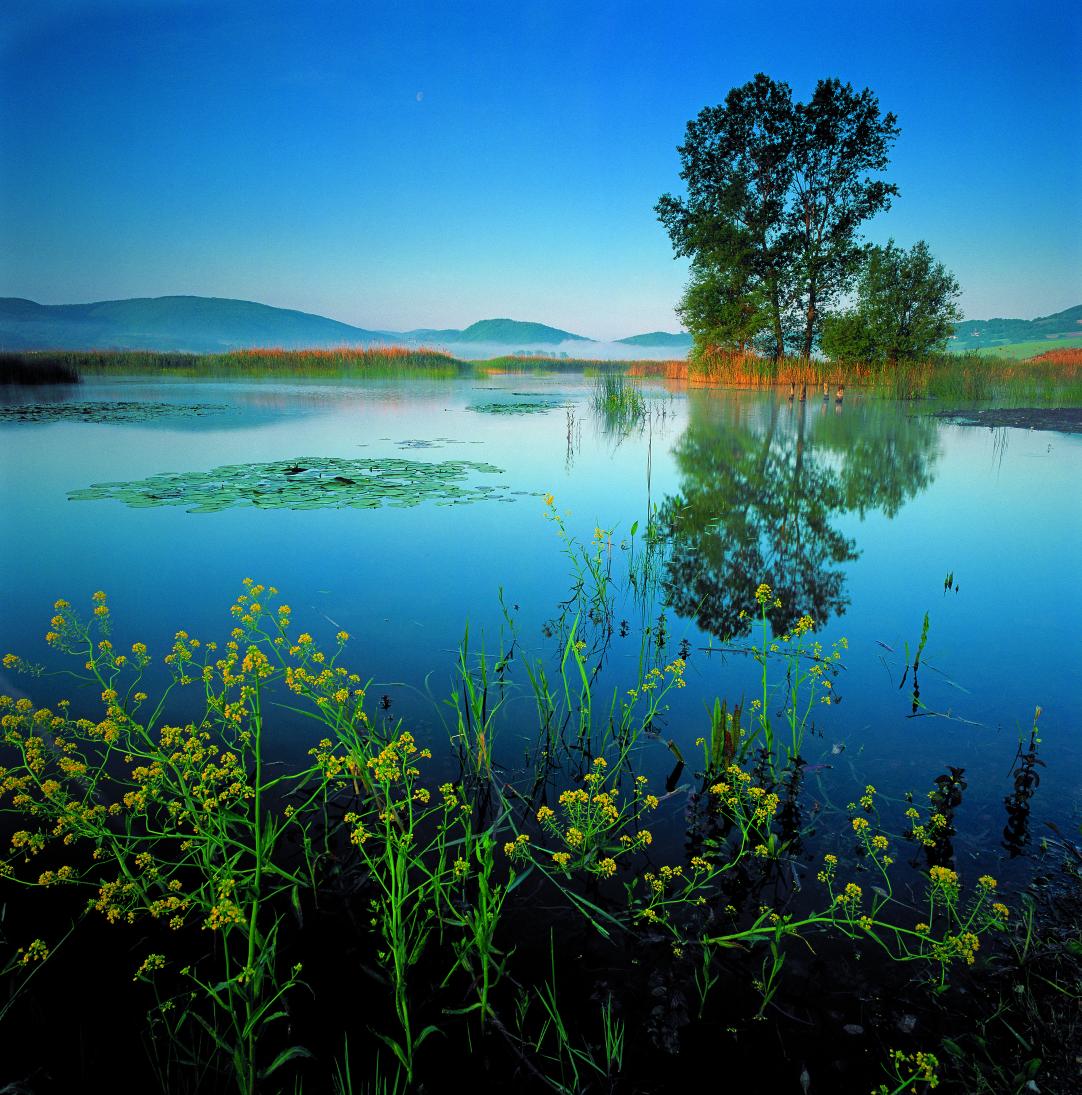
(776, 191)
(905, 308)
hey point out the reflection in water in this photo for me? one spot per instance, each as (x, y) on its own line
(759, 492)
(1027, 779)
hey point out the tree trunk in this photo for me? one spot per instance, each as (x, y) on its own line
(779, 337)
(809, 326)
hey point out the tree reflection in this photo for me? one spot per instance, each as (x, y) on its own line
(762, 486)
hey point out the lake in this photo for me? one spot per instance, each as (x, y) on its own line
(853, 513)
(404, 511)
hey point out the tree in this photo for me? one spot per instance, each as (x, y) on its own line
(905, 308)
(776, 191)
(722, 311)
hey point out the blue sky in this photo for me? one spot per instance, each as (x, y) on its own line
(397, 165)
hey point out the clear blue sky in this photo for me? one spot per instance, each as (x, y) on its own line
(406, 164)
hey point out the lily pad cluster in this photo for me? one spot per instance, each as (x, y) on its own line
(307, 482)
(434, 443)
(104, 411)
(522, 406)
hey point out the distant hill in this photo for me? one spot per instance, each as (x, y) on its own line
(432, 335)
(987, 334)
(679, 341)
(514, 332)
(214, 324)
(195, 324)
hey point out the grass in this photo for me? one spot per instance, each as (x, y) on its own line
(1052, 378)
(343, 362)
(1034, 347)
(618, 401)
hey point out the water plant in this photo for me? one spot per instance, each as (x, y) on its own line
(223, 866)
(178, 827)
(618, 402)
(120, 410)
(306, 482)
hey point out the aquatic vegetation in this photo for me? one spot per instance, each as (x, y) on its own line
(1054, 378)
(1068, 355)
(618, 402)
(340, 361)
(307, 482)
(105, 411)
(172, 828)
(517, 406)
(16, 368)
(1026, 780)
(244, 888)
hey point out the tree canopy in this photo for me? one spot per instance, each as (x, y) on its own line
(905, 308)
(776, 191)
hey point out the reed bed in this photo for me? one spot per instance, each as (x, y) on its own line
(29, 369)
(618, 401)
(1052, 378)
(515, 363)
(343, 361)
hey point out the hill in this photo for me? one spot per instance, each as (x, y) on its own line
(196, 324)
(987, 334)
(1021, 351)
(513, 332)
(679, 341)
(214, 324)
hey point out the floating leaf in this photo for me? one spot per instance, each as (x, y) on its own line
(522, 406)
(305, 483)
(104, 411)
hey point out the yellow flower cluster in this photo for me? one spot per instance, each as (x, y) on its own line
(964, 945)
(830, 865)
(850, 897)
(36, 951)
(516, 849)
(151, 963)
(223, 914)
(944, 878)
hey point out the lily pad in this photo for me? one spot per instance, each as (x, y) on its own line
(307, 482)
(521, 406)
(104, 411)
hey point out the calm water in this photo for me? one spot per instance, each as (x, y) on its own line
(854, 514)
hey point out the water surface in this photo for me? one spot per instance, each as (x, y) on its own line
(853, 513)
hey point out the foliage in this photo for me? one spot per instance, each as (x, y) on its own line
(905, 309)
(721, 308)
(776, 191)
(174, 828)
